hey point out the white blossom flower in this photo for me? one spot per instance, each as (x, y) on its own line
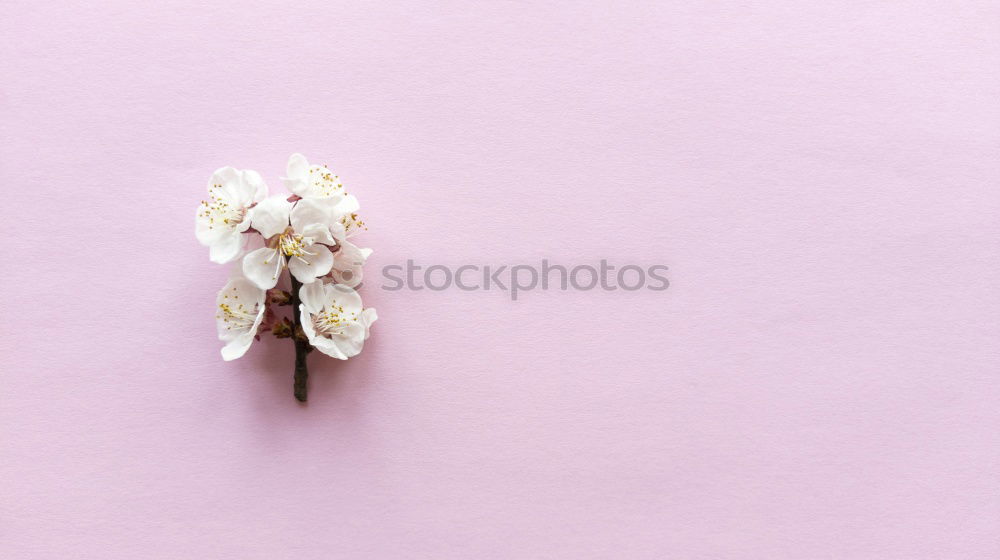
(348, 259)
(222, 219)
(297, 235)
(344, 220)
(240, 311)
(311, 181)
(334, 320)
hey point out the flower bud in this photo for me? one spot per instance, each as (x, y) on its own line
(279, 297)
(283, 328)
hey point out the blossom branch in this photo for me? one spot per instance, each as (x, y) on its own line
(305, 234)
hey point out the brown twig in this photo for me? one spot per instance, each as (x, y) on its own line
(302, 347)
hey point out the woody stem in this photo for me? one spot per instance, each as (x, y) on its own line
(301, 346)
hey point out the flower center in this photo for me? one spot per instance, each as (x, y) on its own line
(333, 320)
(219, 212)
(352, 224)
(291, 244)
(327, 183)
(236, 315)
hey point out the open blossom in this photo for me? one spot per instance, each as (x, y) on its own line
(348, 263)
(348, 259)
(297, 235)
(226, 214)
(344, 220)
(240, 310)
(311, 181)
(334, 320)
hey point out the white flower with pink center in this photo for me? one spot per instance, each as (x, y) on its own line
(296, 235)
(334, 319)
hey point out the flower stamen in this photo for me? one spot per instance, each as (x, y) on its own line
(219, 212)
(332, 320)
(327, 183)
(237, 316)
(292, 244)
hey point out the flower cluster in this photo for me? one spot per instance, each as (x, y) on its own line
(308, 234)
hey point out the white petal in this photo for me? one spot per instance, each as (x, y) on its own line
(225, 174)
(246, 290)
(223, 328)
(319, 234)
(348, 205)
(224, 184)
(312, 297)
(263, 267)
(329, 347)
(351, 277)
(315, 263)
(226, 248)
(270, 216)
(298, 167)
(242, 190)
(296, 186)
(352, 341)
(243, 226)
(350, 256)
(204, 229)
(254, 185)
(297, 170)
(237, 347)
(368, 316)
(338, 295)
(338, 232)
(306, 318)
(308, 212)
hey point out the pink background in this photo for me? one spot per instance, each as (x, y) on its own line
(820, 381)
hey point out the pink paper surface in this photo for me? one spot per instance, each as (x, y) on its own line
(820, 380)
